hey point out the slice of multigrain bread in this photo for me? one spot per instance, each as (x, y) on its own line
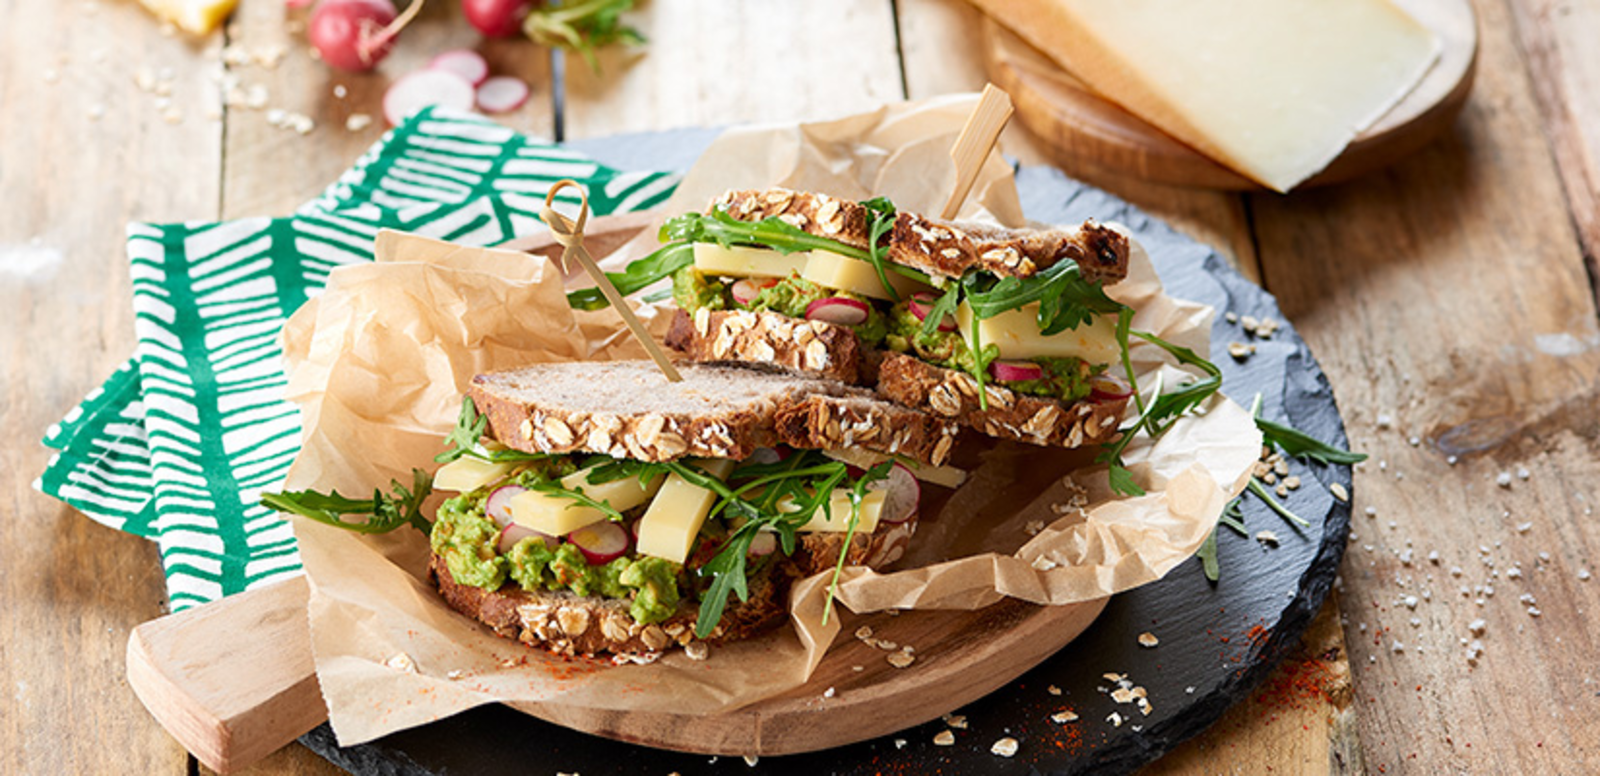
(948, 393)
(814, 348)
(938, 246)
(628, 409)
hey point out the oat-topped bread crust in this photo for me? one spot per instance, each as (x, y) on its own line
(938, 246)
(813, 348)
(953, 394)
(628, 409)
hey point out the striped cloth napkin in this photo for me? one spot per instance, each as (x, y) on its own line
(179, 443)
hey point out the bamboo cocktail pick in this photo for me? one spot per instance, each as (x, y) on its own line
(972, 147)
(569, 234)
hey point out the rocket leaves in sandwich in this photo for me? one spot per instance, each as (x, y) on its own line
(636, 276)
(882, 214)
(464, 440)
(383, 513)
(1066, 300)
(1163, 409)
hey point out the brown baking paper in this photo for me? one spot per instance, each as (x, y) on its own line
(379, 361)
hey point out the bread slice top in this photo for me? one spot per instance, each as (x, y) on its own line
(938, 246)
(628, 409)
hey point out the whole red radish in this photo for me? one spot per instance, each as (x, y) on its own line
(496, 18)
(352, 34)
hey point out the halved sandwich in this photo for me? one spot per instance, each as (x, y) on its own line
(603, 509)
(1008, 331)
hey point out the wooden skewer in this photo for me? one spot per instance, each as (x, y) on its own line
(972, 147)
(569, 234)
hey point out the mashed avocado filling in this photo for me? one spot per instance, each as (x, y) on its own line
(791, 296)
(466, 539)
(1066, 379)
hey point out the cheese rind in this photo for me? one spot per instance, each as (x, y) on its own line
(1016, 333)
(678, 511)
(741, 262)
(468, 474)
(559, 516)
(1274, 89)
(846, 274)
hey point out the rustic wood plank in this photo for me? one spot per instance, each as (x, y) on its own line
(712, 63)
(1448, 301)
(1556, 39)
(270, 170)
(83, 151)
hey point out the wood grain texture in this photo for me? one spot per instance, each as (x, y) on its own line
(713, 63)
(72, 589)
(272, 170)
(1448, 302)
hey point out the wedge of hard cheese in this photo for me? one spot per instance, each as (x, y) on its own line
(1274, 89)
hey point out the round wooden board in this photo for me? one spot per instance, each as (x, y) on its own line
(1090, 135)
(1217, 641)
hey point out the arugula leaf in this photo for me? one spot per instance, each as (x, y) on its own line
(1066, 300)
(581, 27)
(464, 437)
(1233, 516)
(385, 513)
(1208, 557)
(946, 305)
(636, 276)
(1302, 445)
(882, 213)
(723, 229)
(857, 493)
(1163, 410)
(1260, 490)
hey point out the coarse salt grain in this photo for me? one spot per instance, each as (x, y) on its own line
(1477, 627)
(1503, 479)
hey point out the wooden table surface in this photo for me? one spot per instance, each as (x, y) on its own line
(1451, 300)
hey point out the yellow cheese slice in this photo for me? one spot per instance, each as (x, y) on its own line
(676, 514)
(1274, 89)
(871, 509)
(1016, 332)
(467, 473)
(198, 17)
(856, 276)
(948, 476)
(560, 516)
(741, 262)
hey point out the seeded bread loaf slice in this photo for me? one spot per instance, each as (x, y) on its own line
(938, 246)
(948, 393)
(814, 348)
(628, 409)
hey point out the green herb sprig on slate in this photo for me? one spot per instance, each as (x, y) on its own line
(403, 506)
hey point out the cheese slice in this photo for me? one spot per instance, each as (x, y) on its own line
(856, 276)
(1016, 332)
(871, 510)
(742, 262)
(467, 473)
(1274, 89)
(676, 514)
(559, 516)
(948, 476)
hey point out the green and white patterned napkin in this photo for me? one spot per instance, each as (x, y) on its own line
(180, 441)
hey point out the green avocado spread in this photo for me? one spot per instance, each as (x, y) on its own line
(692, 290)
(1066, 379)
(466, 539)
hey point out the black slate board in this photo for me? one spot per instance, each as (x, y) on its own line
(1217, 641)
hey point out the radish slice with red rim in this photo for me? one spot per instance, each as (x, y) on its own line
(838, 309)
(1015, 371)
(902, 494)
(423, 88)
(514, 533)
(502, 94)
(600, 542)
(498, 506)
(922, 306)
(762, 544)
(745, 291)
(468, 64)
(1109, 388)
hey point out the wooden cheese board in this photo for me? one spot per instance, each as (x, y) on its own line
(1088, 135)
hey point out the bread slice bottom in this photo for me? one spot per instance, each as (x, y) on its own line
(1037, 420)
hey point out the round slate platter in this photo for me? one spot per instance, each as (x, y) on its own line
(1217, 640)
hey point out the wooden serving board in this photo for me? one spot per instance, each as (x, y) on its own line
(1090, 135)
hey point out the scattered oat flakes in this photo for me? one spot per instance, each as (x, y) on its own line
(864, 632)
(697, 650)
(886, 645)
(944, 738)
(1338, 491)
(1063, 717)
(1033, 527)
(751, 760)
(901, 659)
(1005, 747)
(1267, 537)
(1240, 351)
(1115, 719)
(1148, 639)
(455, 674)
(1053, 690)
(400, 661)
(858, 669)
(1291, 483)
(357, 122)
(1042, 563)
(1397, 648)
(955, 721)
(1113, 677)
(900, 743)
(1503, 479)
(1122, 695)
(1232, 317)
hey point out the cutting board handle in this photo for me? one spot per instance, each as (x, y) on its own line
(232, 680)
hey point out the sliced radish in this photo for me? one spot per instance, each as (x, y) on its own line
(466, 63)
(746, 290)
(498, 507)
(600, 542)
(423, 88)
(922, 306)
(1015, 371)
(514, 533)
(502, 94)
(1109, 388)
(902, 494)
(837, 309)
(764, 543)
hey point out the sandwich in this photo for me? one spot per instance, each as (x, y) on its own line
(599, 509)
(1008, 331)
